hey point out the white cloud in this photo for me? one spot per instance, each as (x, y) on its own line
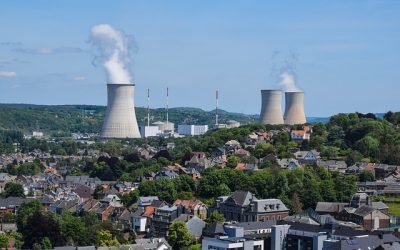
(47, 51)
(79, 78)
(8, 73)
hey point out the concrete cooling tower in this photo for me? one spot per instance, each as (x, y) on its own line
(294, 108)
(120, 120)
(271, 107)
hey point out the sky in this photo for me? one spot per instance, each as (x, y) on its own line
(345, 54)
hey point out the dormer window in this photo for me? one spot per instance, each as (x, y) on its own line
(271, 206)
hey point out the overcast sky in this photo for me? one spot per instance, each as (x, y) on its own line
(346, 54)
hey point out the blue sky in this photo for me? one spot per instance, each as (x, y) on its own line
(348, 52)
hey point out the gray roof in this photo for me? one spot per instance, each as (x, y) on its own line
(379, 205)
(241, 198)
(195, 226)
(364, 210)
(152, 243)
(256, 225)
(269, 205)
(330, 207)
(301, 219)
(147, 199)
(168, 208)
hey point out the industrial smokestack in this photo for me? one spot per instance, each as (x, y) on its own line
(294, 108)
(120, 120)
(271, 107)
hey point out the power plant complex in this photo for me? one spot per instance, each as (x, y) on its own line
(120, 119)
(271, 107)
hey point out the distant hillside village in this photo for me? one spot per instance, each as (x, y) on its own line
(320, 186)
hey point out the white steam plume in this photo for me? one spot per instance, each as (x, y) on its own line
(288, 82)
(113, 46)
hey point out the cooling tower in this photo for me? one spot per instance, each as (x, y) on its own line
(271, 107)
(120, 120)
(294, 108)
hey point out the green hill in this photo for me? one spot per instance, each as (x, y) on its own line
(88, 118)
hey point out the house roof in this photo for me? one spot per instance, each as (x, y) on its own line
(379, 205)
(364, 210)
(241, 198)
(195, 226)
(330, 207)
(269, 205)
(83, 191)
(256, 225)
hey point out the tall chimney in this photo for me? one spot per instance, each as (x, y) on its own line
(271, 107)
(120, 120)
(294, 108)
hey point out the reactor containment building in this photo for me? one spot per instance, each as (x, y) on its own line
(120, 119)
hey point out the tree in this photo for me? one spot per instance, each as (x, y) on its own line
(128, 199)
(366, 175)
(178, 236)
(72, 229)
(13, 190)
(25, 211)
(39, 226)
(107, 239)
(4, 241)
(215, 217)
(232, 161)
(281, 184)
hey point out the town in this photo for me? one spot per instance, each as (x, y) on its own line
(248, 187)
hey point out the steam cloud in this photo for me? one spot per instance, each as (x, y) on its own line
(288, 82)
(113, 46)
(284, 70)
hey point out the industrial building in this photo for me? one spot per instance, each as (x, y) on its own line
(271, 107)
(192, 130)
(149, 131)
(120, 119)
(294, 108)
(165, 126)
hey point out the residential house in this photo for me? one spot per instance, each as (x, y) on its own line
(167, 174)
(246, 167)
(307, 157)
(4, 179)
(241, 152)
(243, 206)
(194, 207)
(333, 165)
(199, 162)
(163, 217)
(145, 201)
(193, 224)
(289, 163)
(299, 135)
(151, 244)
(231, 146)
(83, 192)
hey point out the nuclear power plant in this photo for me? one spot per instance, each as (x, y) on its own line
(120, 119)
(294, 108)
(271, 108)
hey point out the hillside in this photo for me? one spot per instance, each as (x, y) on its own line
(88, 118)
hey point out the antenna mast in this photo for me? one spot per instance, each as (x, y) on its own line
(148, 107)
(167, 106)
(216, 108)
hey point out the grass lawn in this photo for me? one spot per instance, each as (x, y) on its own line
(394, 209)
